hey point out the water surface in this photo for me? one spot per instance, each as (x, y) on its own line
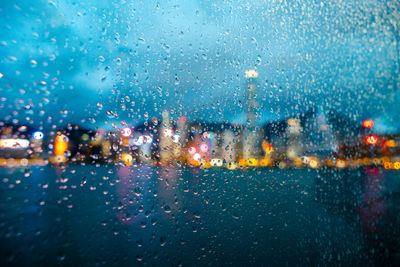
(88, 215)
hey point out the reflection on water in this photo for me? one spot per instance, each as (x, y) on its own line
(374, 207)
(367, 199)
(134, 215)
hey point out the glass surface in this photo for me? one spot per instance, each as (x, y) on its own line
(199, 133)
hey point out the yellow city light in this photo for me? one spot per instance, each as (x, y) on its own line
(298, 162)
(396, 165)
(242, 163)
(127, 159)
(341, 163)
(61, 145)
(390, 143)
(231, 166)
(388, 165)
(251, 74)
(252, 162)
(314, 163)
(266, 161)
(267, 147)
(366, 161)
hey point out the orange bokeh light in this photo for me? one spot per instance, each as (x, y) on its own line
(372, 139)
(61, 144)
(368, 123)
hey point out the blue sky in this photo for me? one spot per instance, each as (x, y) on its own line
(81, 62)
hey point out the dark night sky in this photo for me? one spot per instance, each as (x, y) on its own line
(77, 61)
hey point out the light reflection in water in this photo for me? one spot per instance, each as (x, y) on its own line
(134, 190)
(373, 209)
(365, 200)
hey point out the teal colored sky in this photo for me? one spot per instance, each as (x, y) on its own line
(82, 61)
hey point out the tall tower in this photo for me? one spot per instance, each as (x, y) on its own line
(166, 134)
(251, 138)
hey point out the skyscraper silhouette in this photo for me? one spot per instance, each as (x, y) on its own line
(251, 142)
(165, 139)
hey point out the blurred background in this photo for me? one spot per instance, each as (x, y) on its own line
(217, 128)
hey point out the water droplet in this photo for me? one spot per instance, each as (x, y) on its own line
(139, 258)
(167, 209)
(162, 241)
(111, 114)
(33, 63)
(64, 113)
(177, 80)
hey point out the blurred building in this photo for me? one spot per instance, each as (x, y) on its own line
(180, 138)
(251, 134)
(20, 141)
(166, 134)
(294, 139)
(319, 135)
(228, 148)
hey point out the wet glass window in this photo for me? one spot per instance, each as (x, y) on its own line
(169, 133)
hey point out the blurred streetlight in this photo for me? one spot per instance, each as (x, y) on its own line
(251, 74)
(368, 124)
(372, 139)
(38, 135)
